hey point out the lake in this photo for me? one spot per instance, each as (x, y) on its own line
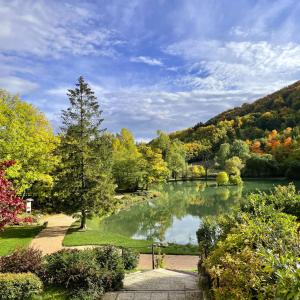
(176, 214)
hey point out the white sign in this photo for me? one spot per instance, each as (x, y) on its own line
(28, 205)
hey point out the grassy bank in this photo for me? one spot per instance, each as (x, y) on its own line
(14, 237)
(98, 235)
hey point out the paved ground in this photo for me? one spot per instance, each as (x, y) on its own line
(50, 239)
(158, 284)
(174, 262)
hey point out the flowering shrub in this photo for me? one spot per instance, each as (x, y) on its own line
(10, 204)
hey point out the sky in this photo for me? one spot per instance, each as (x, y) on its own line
(153, 64)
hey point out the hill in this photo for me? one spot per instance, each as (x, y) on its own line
(278, 110)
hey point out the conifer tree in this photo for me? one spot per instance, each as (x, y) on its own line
(84, 183)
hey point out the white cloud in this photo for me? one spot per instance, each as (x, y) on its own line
(147, 60)
(244, 66)
(17, 85)
(46, 28)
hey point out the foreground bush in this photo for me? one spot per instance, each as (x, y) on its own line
(253, 253)
(87, 272)
(22, 261)
(19, 286)
(130, 258)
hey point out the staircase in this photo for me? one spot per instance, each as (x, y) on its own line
(158, 284)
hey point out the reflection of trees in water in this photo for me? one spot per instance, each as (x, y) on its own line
(152, 219)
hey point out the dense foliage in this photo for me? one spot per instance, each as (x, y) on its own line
(10, 204)
(83, 180)
(20, 286)
(86, 272)
(22, 261)
(27, 138)
(254, 253)
(130, 258)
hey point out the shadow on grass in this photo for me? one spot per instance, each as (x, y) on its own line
(20, 232)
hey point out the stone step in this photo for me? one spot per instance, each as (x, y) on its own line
(158, 284)
(154, 295)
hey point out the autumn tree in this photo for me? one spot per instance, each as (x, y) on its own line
(84, 182)
(10, 204)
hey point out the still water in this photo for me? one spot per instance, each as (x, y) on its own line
(176, 214)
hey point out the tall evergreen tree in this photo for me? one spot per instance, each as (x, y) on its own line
(84, 183)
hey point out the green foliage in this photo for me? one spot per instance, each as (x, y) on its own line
(84, 181)
(22, 261)
(19, 286)
(223, 154)
(222, 178)
(293, 171)
(235, 180)
(256, 252)
(233, 166)
(176, 158)
(26, 137)
(136, 167)
(261, 166)
(284, 198)
(197, 171)
(240, 149)
(207, 235)
(130, 258)
(162, 142)
(86, 272)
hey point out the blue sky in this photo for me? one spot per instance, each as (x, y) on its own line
(154, 64)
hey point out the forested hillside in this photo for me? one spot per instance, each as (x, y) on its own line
(267, 131)
(249, 121)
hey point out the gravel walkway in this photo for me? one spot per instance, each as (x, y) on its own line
(50, 239)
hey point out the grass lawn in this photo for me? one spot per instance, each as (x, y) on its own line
(14, 237)
(52, 293)
(97, 235)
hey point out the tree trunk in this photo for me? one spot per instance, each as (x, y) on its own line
(83, 220)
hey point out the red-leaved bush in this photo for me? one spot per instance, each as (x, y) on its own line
(10, 204)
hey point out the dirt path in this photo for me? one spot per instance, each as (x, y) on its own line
(50, 239)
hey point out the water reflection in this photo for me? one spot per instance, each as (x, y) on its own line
(176, 214)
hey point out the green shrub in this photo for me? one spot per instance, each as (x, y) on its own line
(19, 286)
(87, 272)
(222, 178)
(255, 253)
(22, 261)
(235, 180)
(130, 258)
(110, 261)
